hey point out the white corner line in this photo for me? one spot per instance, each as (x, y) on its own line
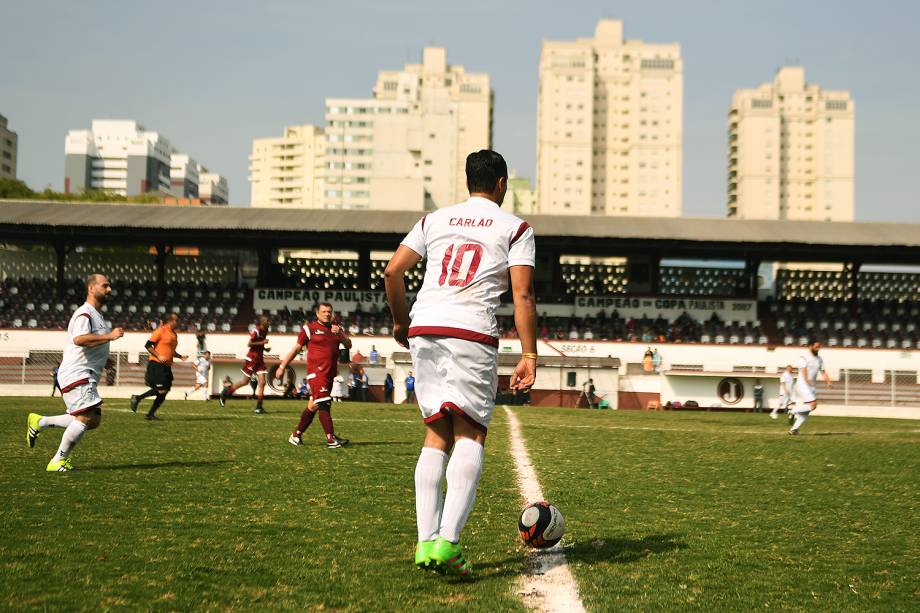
(549, 586)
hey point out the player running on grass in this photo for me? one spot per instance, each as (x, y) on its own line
(786, 381)
(471, 249)
(202, 366)
(253, 366)
(810, 365)
(322, 339)
(87, 350)
(161, 346)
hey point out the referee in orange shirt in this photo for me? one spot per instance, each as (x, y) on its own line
(162, 349)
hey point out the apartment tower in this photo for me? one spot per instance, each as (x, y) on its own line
(790, 151)
(609, 126)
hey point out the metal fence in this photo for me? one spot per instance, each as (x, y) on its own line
(37, 369)
(856, 387)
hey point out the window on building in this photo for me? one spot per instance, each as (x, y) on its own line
(656, 64)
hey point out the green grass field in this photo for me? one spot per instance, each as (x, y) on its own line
(212, 509)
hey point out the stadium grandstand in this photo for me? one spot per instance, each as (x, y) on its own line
(701, 283)
(51, 247)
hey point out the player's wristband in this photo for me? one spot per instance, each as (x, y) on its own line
(529, 356)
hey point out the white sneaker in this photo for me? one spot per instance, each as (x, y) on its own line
(295, 440)
(773, 416)
(186, 395)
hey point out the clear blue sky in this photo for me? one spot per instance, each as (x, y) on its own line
(212, 76)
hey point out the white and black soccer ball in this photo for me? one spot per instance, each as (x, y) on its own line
(541, 525)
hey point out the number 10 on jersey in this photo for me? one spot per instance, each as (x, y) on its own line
(453, 262)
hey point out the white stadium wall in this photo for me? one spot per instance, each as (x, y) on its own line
(688, 371)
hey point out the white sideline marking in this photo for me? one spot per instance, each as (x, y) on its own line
(549, 586)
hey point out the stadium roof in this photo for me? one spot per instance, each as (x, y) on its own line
(45, 222)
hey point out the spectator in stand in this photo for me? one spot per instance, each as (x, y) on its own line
(573, 333)
(589, 335)
(647, 361)
(368, 330)
(410, 388)
(388, 388)
(354, 329)
(544, 331)
(374, 356)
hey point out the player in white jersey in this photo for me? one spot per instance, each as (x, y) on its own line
(202, 366)
(786, 382)
(471, 250)
(87, 351)
(810, 366)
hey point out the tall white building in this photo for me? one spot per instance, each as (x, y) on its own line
(212, 187)
(610, 126)
(403, 149)
(9, 143)
(288, 171)
(122, 157)
(406, 147)
(791, 151)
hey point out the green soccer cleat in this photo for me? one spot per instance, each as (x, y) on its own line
(447, 557)
(60, 466)
(423, 555)
(34, 430)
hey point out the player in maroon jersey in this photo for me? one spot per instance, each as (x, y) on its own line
(253, 366)
(322, 339)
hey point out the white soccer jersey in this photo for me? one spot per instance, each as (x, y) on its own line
(785, 383)
(202, 367)
(83, 364)
(469, 248)
(813, 365)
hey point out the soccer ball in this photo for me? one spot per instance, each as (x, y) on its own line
(541, 525)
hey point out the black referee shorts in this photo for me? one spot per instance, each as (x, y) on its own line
(159, 376)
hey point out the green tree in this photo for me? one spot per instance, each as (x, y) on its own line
(14, 188)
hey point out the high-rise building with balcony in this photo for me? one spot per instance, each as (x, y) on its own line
(790, 151)
(122, 157)
(288, 171)
(610, 126)
(9, 144)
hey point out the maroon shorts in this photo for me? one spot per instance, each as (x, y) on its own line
(253, 365)
(320, 386)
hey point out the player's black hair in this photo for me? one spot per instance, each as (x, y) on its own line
(812, 339)
(322, 304)
(483, 170)
(93, 278)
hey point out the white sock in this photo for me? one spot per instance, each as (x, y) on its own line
(72, 436)
(55, 421)
(463, 471)
(429, 473)
(799, 420)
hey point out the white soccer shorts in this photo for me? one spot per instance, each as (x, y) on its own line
(81, 398)
(454, 376)
(805, 393)
(201, 380)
